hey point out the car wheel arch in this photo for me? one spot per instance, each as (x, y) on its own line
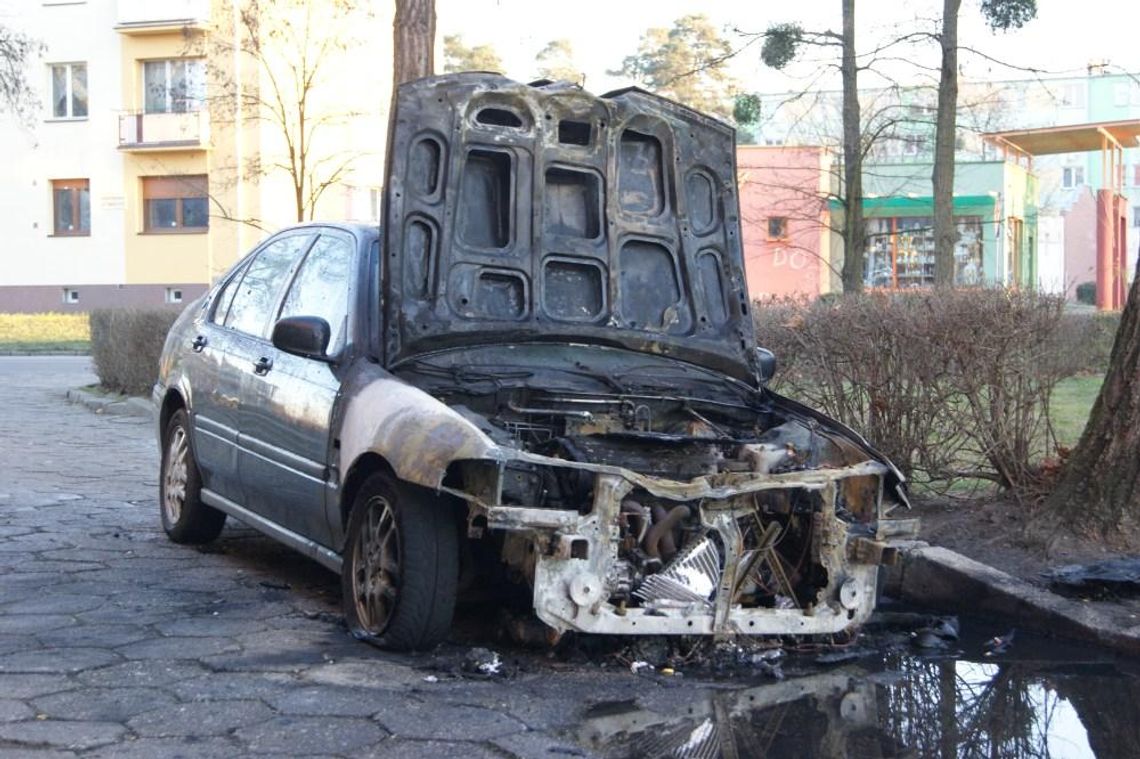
(365, 466)
(171, 402)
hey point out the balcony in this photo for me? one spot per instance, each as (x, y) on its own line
(189, 130)
(157, 16)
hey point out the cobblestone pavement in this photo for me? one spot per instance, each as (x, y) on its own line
(115, 642)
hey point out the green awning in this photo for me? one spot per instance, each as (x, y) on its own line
(907, 206)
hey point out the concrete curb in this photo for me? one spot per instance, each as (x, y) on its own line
(939, 577)
(112, 405)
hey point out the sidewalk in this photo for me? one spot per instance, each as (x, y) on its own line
(111, 403)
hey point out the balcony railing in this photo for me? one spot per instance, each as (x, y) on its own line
(143, 15)
(148, 131)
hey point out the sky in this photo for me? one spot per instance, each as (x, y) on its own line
(1062, 40)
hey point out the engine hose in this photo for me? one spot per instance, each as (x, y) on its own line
(659, 543)
(636, 510)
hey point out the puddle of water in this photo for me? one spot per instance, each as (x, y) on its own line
(1041, 700)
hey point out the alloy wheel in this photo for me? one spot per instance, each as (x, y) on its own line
(175, 475)
(377, 566)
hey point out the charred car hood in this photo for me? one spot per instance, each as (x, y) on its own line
(518, 213)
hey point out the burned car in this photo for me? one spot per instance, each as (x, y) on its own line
(543, 372)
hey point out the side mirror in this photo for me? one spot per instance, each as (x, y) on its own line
(306, 336)
(766, 362)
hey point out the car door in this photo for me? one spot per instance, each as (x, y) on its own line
(286, 409)
(214, 400)
(243, 336)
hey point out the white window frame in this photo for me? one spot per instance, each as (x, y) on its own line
(70, 295)
(1072, 176)
(69, 66)
(168, 88)
(174, 295)
(1072, 95)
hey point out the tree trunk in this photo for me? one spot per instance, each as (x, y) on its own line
(1109, 711)
(413, 40)
(1100, 484)
(853, 223)
(945, 233)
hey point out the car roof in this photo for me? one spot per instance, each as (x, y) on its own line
(360, 229)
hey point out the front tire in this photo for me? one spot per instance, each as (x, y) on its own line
(184, 517)
(401, 566)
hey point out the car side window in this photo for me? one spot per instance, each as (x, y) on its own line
(266, 275)
(322, 286)
(225, 297)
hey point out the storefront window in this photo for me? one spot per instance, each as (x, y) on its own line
(968, 251)
(900, 252)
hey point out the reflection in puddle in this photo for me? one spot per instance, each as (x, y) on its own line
(903, 707)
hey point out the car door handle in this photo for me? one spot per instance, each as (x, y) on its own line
(263, 365)
(199, 343)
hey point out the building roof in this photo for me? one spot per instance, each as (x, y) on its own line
(1075, 138)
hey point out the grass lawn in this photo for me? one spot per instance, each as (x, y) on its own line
(1072, 401)
(44, 333)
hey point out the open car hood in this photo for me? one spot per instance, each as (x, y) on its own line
(540, 212)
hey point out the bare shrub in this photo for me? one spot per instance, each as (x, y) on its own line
(954, 386)
(126, 345)
(1085, 340)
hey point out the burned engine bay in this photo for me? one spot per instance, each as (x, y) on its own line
(564, 287)
(642, 495)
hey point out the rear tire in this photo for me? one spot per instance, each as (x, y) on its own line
(184, 517)
(401, 566)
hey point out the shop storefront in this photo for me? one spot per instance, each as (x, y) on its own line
(900, 252)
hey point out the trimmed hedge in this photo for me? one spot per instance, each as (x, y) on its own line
(953, 385)
(1086, 293)
(126, 345)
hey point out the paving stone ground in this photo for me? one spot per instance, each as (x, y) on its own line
(115, 642)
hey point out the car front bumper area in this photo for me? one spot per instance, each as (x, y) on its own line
(733, 574)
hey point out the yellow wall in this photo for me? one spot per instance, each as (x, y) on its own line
(235, 146)
(140, 47)
(246, 205)
(157, 258)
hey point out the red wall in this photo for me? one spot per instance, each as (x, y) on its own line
(782, 181)
(1080, 243)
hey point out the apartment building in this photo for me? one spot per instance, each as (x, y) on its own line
(155, 161)
(902, 120)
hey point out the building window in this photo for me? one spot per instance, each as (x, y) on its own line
(173, 295)
(175, 204)
(777, 227)
(70, 295)
(1072, 176)
(1136, 175)
(363, 203)
(174, 86)
(1136, 216)
(913, 144)
(71, 201)
(900, 252)
(69, 91)
(1072, 95)
(1125, 94)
